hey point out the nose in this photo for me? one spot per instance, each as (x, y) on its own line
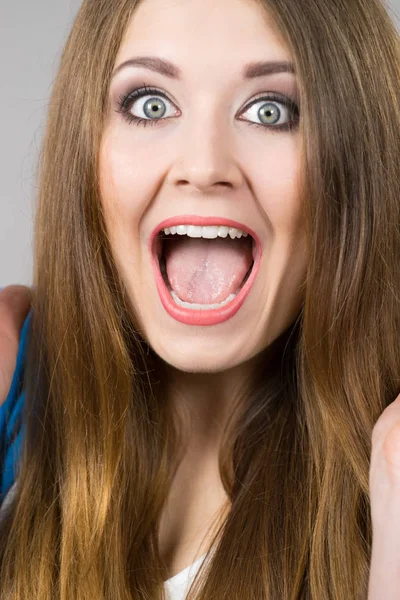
(205, 159)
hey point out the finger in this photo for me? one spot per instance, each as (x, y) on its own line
(386, 421)
(14, 307)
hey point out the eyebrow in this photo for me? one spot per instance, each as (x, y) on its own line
(250, 71)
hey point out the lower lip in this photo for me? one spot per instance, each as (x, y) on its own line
(203, 317)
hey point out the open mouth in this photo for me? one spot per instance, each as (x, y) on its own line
(207, 281)
(231, 261)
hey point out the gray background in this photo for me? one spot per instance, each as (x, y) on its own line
(32, 35)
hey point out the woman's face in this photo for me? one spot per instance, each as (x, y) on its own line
(205, 157)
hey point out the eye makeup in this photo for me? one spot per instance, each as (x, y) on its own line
(126, 100)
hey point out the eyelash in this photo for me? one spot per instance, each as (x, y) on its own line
(126, 100)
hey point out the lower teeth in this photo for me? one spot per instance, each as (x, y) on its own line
(180, 302)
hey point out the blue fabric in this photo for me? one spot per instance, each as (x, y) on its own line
(12, 432)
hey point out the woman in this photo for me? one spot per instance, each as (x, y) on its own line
(190, 398)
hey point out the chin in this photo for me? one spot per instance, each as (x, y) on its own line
(197, 360)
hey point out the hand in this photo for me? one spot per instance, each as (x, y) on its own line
(384, 483)
(14, 308)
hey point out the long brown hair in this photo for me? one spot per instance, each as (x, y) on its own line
(101, 446)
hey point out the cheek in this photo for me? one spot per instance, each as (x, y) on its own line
(125, 177)
(119, 197)
(279, 186)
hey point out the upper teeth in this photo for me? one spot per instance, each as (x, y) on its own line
(208, 232)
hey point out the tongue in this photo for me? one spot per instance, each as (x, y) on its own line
(207, 271)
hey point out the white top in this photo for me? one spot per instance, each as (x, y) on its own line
(175, 588)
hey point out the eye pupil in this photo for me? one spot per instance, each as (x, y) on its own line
(154, 106)
(270, 111)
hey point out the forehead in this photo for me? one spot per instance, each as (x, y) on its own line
(204, 34)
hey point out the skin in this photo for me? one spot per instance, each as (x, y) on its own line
(204, 160)
(14, 308)
(384, 485)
